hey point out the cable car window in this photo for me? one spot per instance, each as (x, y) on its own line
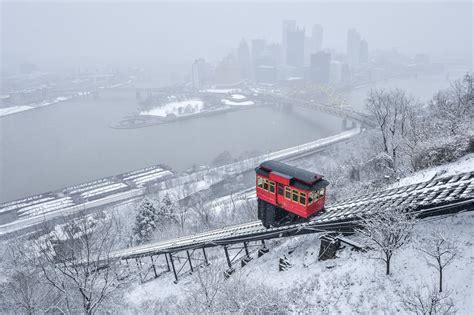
(265, 184)
(272, 187)
(295, 196)
(303, 199)
(288, 193)
(280, 189)
(321, 191)
(259, 182)
(310, 198)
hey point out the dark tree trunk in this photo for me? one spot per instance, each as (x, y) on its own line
(440, 280)
(387, 265)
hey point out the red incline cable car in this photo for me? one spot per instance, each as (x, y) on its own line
(287, 194)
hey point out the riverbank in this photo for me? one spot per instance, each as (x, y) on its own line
(142, 121)
(29, 213)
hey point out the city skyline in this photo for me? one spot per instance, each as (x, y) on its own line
(150, 39)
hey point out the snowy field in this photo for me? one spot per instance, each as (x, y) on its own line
(354, 282)
(180, 108)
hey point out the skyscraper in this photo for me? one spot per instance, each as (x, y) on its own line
(198, 73)
(258, 48)
(295, 48)
(245, 63)
(316, 38)
(353, 47)
(320, 67)
(287, 26)
(364, 52)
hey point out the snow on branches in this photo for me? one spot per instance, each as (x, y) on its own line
(387, 231)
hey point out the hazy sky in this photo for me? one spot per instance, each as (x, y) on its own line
(160, 34)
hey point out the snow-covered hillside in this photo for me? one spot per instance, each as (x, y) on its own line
(354, 282)
(463, 165)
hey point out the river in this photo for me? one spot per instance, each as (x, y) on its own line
(71, 142)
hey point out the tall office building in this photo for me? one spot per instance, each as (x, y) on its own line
(364, 52)
(353, 47)
(274, 53)
(295, 47)
(258, 48)
(198, 73)
(245, 62)
(316, 39)
(228, 71)
(320, 67)
(287, 26)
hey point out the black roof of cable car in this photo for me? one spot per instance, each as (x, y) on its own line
(295, 172)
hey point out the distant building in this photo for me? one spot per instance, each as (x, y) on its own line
(266, 74)
(287, 26)
(364, 52)
(245, 63)
(316, 42)
(335, 72)
(228, 71)
(258, 53)
(421, 59)
(201, 73)
(258, 48)
(295, 48)
(353, 47)
(274, 54)
(320, 67)
(346, 74)
(28, 68)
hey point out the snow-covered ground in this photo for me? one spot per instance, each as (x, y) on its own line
(237, 100)
(180, 108)
(233, 103)
(16, 109)
(463, 165)
(220, 91)
(355, 282)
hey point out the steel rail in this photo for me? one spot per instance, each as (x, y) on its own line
(434, 197)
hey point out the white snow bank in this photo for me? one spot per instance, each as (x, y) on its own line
(463, 165)
(181, 108)
(232, 103)
(220, 91)
(14, 109)
(238, 97)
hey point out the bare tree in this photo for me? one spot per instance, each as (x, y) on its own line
(200, 207)
(203, 297)
(455, 106)
(391, 110)
(22, 290)
(76, 261)
(440, 251)
(213, 293)
(427, 301)
(387, 230)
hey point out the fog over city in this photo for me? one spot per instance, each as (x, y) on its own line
(163, 34)
(248, 157)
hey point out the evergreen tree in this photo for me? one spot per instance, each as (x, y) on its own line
(145, 222)
(166, 211)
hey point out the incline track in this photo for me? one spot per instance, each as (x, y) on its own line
(435, 197)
